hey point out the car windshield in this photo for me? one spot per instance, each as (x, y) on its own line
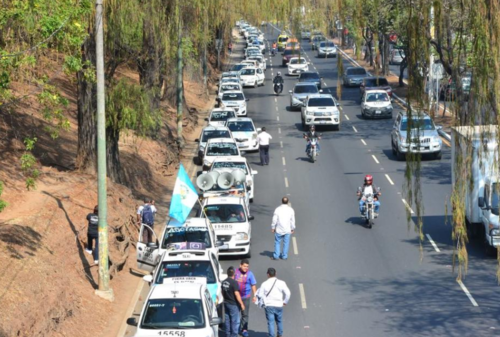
(495, 198)
(225, 213)
(319, 38)
(373, 82)
(282, 39)
(321, 101)
(173, 313)
(309, 76)
(248, 71)
(218, 116)
(222, 149)
(298, 61)
(289, 52)
(377, 97)
(238, 96)
(418, 123)
(241, 126)
(327, 44)
(238, 67)
(356, 71)
(233, 165)
(306, 89)
(186, 234)
(209, 134)
(171, 269)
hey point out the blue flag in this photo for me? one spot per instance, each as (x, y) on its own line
(183, 198)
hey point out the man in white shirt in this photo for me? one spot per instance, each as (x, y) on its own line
(264, 139)
(276, 295)
(283, 227)
(145, 216)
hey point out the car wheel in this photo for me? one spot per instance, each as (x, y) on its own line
(393, 148)
(363, 114)
(303, 124)
(251, 200)
(438, 155)
(399, 156)
(255, 84)
(336, 127)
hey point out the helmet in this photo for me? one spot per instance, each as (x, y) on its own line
(279, 73)
(312, 128)
(368, 179)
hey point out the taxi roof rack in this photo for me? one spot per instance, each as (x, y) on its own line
(187, 251)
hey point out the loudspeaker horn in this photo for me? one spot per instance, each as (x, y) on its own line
(205, 182)
(225, 180)
(215, 175)
(239, 176)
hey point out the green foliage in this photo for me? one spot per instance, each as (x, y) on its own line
(3, 204)
(29, 164)
(53, 107)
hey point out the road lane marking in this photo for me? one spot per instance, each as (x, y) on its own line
(279, 130)
(363, 141)
(464, 288)
(390, 180)
(281, 144)
(278, 118)
(433, 243)
(294, 244)
(407, 206)
(375, 158)
(354, 128)
(284, 162)
(286, 182)
(275, 100)
(276, 108)
(302, 296)
(324, 84)
(346, 117)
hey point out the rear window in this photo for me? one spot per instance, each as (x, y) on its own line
(291, 52)
(209, 134)
(222, 149)
(221, 115)
(373, 82)
(248, 71)
(327, 44)
(241, 126)
(356, 71)
(323, 101)
(314, 76)
(298, 61)
(233, 97)
(306, 89)
(282, 39)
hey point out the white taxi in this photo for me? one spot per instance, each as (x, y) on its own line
(244, 132)
(252, 76)
(219, 116)
(219, 147)
(230, 164)
(228, 86)
(179, 307)
(297, 65)
(235, 100)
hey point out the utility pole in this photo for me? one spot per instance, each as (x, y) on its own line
(104, 290)
(430, 81)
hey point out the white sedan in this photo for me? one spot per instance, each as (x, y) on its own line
(244, 132)
(297, 65)
(231, 86)
(252, 76)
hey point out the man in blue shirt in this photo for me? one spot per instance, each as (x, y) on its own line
(247, 287)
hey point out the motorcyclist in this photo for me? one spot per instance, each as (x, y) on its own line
(369, 188)
(312, 134)
(278, 79)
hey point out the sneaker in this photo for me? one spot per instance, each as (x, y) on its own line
(244, 333)
(88, 251)
(376, 215)
(96, 261)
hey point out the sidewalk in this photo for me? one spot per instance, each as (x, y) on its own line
(400, 93)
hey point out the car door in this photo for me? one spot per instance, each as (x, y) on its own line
(147, 252)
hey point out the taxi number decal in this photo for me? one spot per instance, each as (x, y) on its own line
(223, 226)
(172, 333)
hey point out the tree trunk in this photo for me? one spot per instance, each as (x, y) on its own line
(86, 155)
(180, 88)
(385, 56)
(114, 167)
(402, 68)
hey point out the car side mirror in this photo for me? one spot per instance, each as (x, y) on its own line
(290, 91)
(337, 103)
(196, 140)
(251, 217)
(219, 243)
(259, 129)
(206, 119)
(320, 90)
(480, 202)
(439, 127)
(215, 321)
(247, 99)
(254, 172)
(147, 278)
(132, 321)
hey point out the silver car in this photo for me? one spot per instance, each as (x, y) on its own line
(353, 76)
(327, 48)
(300, 93)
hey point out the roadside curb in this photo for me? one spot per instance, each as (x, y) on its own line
(441, 132)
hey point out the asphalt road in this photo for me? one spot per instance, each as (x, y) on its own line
(346, 279)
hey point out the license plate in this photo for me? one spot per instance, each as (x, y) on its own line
(378, 112)
(322, 122)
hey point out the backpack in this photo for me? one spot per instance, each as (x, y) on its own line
(147, 215)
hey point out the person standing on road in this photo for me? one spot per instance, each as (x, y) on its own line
(263, 138)
(146, 216)
(247, 286)
(283, 227)
(93, 234)
(232, 304)
(276, 295)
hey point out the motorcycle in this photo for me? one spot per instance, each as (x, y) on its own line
(278, 88)
(369, 207)
(312, 152)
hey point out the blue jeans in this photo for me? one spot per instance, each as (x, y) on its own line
(274, 314)
(232, 316)
(318, 148)
(376, 203)
(277, 245)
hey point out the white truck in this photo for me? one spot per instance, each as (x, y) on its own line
(479, 144)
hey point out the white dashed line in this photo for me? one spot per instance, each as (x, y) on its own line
(346, 117)
(276, 108)
(324, 84)
(294, 244)
(375, 158)
(284, 162)
(278, 118)
(362, 141)
(279, 130)
(281, 144)
(433, 243)
(390, 180)
(286, 182)
(407, 206)
(472, 300)
(354, 128)
(302, 296)
(275, 100)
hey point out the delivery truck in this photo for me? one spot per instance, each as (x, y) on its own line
(474, 150)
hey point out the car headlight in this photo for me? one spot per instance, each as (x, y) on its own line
(207, 162)
(308, 112)
(495, 232)
(241, 236)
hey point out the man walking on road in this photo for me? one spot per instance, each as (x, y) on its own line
(283, 227)
(247, 286)
(232, 304)
(263, 139)
(276, 295)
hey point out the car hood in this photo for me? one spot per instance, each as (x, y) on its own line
(297, 66)
(377, 104)
(243, 134)
(328, 109)
(356, 77)
(421, 133)
(233, 103)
